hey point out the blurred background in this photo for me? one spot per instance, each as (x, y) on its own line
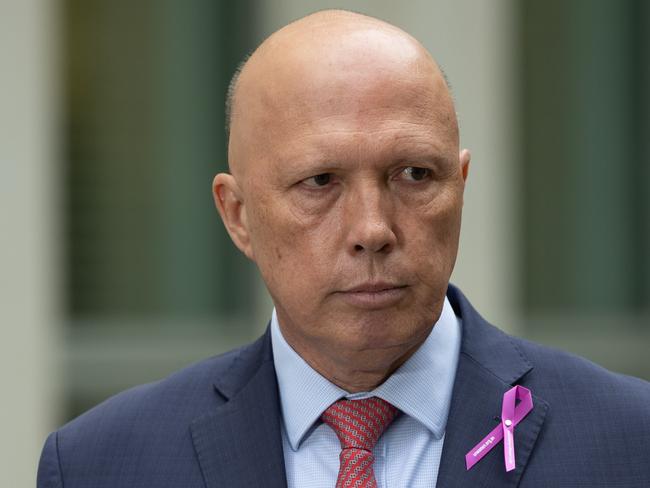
(116, 270)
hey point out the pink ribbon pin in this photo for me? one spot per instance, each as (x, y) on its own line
(511, 415)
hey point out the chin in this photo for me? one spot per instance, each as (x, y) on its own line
(385, 331)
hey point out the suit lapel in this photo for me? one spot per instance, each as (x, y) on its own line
(489, 364)
(240, 443)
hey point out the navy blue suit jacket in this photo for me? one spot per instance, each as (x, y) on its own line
(217, 423)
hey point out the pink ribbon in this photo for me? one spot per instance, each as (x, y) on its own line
(511, 415)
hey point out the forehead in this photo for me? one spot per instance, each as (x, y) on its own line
(320, 97)
(378, 118)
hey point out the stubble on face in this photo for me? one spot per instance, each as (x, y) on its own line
(357, 267)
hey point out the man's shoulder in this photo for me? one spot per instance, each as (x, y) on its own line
(595, 419)
(155, 414)
(590, 422)
(148, 428)
(549, 372)
(559, 372)
(185, 393)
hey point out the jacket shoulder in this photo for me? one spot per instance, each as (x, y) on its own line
(550, 373)
(145, 429)
(597, 424)
(188, 390)
(559, 371)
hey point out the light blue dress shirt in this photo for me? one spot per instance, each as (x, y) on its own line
(408, 453)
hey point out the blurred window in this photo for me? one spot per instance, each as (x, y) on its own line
(152, 277)
(586, 169)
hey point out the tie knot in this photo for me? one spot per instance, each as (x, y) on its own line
(359, 423)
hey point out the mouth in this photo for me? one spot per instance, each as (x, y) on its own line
(374, 295)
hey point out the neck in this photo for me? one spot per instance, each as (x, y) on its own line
(357, 379)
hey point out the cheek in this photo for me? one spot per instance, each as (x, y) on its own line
(443, 218)
(432, 238)
(292, 251)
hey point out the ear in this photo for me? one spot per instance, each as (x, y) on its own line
(464, 158)
(228, 199)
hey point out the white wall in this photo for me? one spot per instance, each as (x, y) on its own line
(29, 235)
(474, 41)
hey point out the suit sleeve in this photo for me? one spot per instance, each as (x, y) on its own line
(49, 468)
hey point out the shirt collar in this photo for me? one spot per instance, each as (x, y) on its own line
(421, 387)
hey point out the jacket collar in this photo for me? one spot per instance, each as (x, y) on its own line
(490, 363)
(240, 443)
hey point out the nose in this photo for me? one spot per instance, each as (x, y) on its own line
(370, 223)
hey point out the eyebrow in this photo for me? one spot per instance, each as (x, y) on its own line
(425, 152)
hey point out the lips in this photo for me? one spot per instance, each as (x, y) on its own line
(373, 287)
(374, 295)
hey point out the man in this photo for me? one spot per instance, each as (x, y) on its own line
(346, 190)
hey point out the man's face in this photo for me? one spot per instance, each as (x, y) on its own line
(353, 200)
(347, 192)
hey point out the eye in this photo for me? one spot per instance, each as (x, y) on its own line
(414, 173)
(317, 181)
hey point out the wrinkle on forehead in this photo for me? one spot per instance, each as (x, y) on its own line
(322, 64)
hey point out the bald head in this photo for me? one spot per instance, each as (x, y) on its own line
(328, 50)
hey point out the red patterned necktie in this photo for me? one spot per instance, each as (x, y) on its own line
(358, 425)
